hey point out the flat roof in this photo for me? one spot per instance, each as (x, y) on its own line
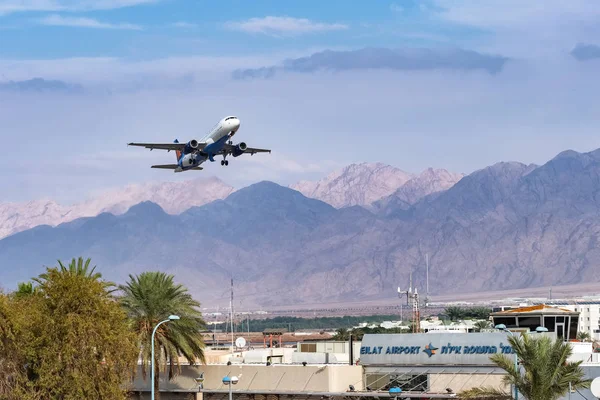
(537, 309)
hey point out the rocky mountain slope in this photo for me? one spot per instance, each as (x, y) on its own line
(356, 184)
(506, 226)
(173, 197)
(428, 182)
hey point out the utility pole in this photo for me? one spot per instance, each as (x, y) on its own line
(231, 310)
(427, 279)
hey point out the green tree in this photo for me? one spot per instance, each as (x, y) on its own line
(24, 289)
(12, 354)
(547, 372)
(481, 325)
(341, 334)
(584, 336)
(454, 313)
(73, 340)
(478, 313)
(150, 298)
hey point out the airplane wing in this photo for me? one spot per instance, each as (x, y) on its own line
(172, 166)
(228, 148)
(164, 146)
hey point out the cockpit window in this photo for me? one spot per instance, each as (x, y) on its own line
(228, 118)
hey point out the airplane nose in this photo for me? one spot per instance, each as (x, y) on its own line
(235, 124)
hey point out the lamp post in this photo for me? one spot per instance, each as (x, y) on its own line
(502, 327)
(171, 318)
(230, 381)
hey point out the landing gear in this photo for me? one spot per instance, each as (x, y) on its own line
(224, 162)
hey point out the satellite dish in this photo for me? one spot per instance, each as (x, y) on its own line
(595, 387)
(240, 342)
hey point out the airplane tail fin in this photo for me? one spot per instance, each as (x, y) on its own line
(177, 152)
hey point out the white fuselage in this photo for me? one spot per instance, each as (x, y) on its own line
(213, 141)
(228, 126)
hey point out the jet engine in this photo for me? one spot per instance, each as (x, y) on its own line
(239, 149)
(190, 146)
(188, 160)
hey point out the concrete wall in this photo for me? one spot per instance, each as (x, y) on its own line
(459, 382)
(260, 377)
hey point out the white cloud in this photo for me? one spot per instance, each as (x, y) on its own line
(83, 22)
(108, 71)
(12, 6)
(396, 8)
(283, 25)
(525, 29)
(183, 24)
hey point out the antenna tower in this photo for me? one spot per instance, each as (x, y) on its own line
(412, 298)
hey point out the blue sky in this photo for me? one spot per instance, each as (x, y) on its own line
(54, 29)
(439, 83)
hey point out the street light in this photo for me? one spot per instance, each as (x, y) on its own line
(171, 318)
(502, 327)
(230, 381)
(200, 381)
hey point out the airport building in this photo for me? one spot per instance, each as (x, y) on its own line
(438, 364)
(424, 365)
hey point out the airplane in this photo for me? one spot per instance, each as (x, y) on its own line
(217, 142)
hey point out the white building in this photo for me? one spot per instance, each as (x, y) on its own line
(589, 315)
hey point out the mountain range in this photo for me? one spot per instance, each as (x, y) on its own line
(173, 197)
(506, 226)
(356, 184)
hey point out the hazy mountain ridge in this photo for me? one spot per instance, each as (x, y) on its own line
(509, 225)
(428, 182)
(356, 184)
(174, 197)
(374, 185)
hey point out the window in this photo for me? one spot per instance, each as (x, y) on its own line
(529, 322)
(550, 322)
(510, 322)
(308, 347)
(573, 328)
(412, 383)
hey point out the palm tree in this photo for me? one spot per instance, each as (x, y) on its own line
(547, 373)
(584, 336)
(454, 313)
(481, 325)
(150, 298)
(24, 289)
(341, 334)
(78, 267)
